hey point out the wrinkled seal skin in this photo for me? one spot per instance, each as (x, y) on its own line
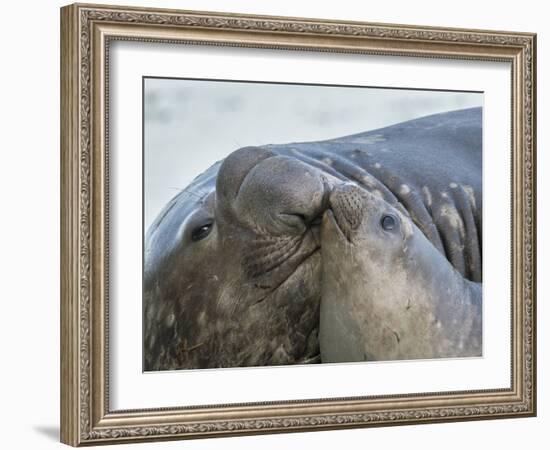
(388, 293)
(248, 294)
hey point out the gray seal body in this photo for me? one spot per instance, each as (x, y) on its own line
(388, 294)
(232, 265)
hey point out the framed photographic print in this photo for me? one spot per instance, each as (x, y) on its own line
(276, 224)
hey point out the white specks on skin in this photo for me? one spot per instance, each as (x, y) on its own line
(471, 196)
(328, 161)
(152, 341)
(377, 165)
(444, 195)
(404, 189)
(170, 319)
(367, 181)
(428, 195)
(452, 216)
(453, 185)
(202, 318)
(459, 248)
(378, 193)
(151, 311)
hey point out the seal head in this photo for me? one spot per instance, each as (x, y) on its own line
(388, 293)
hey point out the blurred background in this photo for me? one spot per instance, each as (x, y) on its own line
(190, 124)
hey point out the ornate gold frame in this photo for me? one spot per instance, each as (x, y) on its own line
(86, 31)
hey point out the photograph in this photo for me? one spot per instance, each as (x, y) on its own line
(351, 218)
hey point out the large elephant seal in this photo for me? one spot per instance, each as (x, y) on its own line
(232, 270)
(387, 292)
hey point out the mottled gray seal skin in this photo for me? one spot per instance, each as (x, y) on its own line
(231, 273)
(388, 294)
(232, 266)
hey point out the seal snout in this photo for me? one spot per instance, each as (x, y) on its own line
(348, 206)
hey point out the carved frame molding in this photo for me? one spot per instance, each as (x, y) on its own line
(86, 31)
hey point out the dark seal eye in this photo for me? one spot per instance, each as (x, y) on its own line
(201, 232)
(388, 222)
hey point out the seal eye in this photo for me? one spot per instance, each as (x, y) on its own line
(388, 222)
(201, 232)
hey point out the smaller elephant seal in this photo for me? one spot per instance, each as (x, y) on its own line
(388, 293)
